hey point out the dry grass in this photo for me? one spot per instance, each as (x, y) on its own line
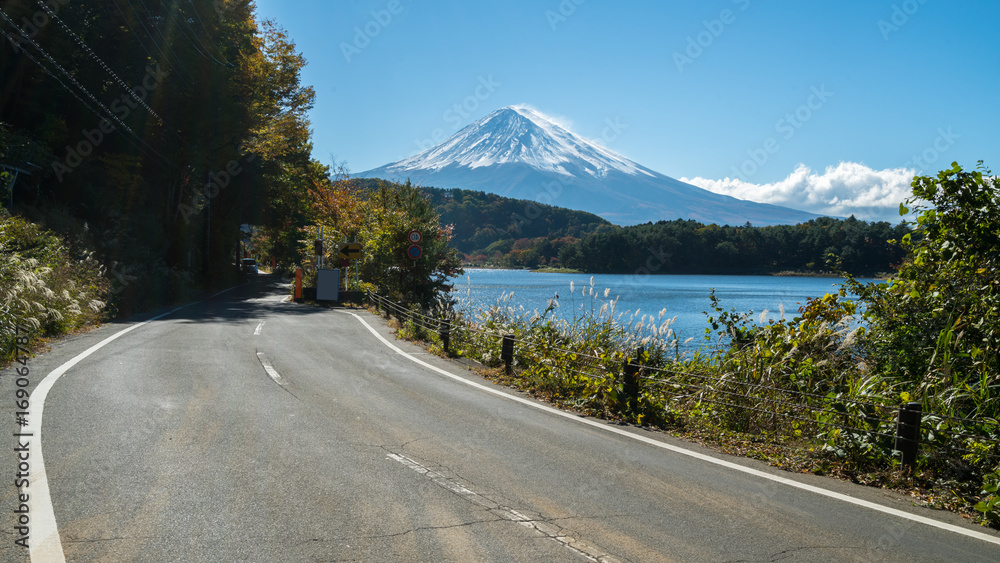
(45, 290)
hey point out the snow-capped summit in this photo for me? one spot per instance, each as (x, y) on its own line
(518, 152)
(517, 134)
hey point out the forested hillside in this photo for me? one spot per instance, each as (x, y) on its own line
(481, 219)
(494, 230)
(497, 231)
(685, 246)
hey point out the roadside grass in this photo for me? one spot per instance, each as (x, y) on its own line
(793, 393)
(46, 288)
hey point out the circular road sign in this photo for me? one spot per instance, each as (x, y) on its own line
(415, 237)
(414, 252)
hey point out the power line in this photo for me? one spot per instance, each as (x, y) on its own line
(180, 67)
(149, 55)
(160, 33)
(107, 112)
(99, 61)
(81, 100)
(207, 34)
(207, 54)
(54, 77)
(63, 70)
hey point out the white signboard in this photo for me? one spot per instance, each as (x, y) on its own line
(328, 285)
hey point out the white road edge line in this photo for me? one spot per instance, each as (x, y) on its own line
(44, 544)
(697, 455)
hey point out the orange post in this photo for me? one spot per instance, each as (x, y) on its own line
(298, 283)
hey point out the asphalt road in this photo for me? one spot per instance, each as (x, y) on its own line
(205, 435)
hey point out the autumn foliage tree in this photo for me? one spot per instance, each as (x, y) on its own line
(389, 213)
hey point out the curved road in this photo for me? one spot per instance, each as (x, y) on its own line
(246, 428)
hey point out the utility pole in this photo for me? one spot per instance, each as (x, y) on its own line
(321, 248)
(208, 236)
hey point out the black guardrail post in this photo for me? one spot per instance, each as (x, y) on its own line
(444, 332)
(908, 433)
(630, 384)
(507, 353)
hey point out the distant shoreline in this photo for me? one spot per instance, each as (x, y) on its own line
(782, 273)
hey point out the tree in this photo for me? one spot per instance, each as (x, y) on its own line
(279, 136)
(936, 324)
(333, 201)
(147, 117)
(391, 212)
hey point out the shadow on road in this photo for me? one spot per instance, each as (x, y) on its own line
(263, 293)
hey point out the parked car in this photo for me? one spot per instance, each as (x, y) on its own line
(250, 266)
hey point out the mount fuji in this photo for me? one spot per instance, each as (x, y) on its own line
(517, 152)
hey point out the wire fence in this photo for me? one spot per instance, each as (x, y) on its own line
(680, 388)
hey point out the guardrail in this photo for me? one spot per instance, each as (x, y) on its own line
(865, 418)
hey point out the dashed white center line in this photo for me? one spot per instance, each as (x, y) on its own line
(271, 372)
(256, 331)
(547, 529)
(982, 536)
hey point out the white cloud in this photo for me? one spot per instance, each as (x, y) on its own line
(847, 189)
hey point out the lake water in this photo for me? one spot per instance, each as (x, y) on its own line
(683, 296)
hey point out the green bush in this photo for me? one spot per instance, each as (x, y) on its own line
(935, 327)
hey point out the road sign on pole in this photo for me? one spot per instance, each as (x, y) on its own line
(350, 251)
(414, 252)
(415, 237)
(319, 249)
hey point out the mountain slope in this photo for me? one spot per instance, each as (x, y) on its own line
(519, 153)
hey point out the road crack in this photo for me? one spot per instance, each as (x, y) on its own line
(790, 552)
(420, 529)
(544, 527)
(98, 540)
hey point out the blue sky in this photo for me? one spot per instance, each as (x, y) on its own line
(825, 106)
